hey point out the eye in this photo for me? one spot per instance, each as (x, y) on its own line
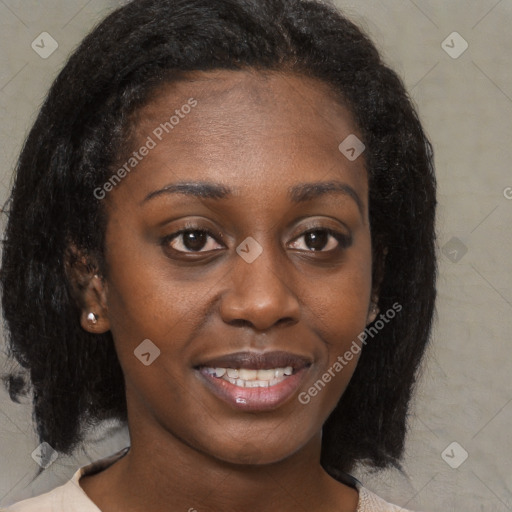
(323, 240)
(191, 240)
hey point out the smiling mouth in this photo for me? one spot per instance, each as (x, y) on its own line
(250, 378)
(255, 381)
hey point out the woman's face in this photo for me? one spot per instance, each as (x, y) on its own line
(270, 276)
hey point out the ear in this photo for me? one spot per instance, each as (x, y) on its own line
(373, 310)
(378, 275)
(89, 290)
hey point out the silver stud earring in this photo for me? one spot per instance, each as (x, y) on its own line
(91, 317)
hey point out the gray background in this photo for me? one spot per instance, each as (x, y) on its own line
(465, 104)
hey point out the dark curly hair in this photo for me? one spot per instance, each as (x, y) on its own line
(80, 133)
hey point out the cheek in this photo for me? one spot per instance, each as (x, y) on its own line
(143, 300)
(340, 309)
(340, 301)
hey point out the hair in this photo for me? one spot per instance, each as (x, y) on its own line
(80, 132)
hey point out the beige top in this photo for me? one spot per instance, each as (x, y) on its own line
(70, 497)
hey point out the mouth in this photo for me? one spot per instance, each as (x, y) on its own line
(247, 378)
(254, 381)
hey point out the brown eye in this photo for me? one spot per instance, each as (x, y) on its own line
(191, 240)
(323, 240)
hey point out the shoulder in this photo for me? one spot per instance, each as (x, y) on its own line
(69, 497)
(370, 502)
(66, 498)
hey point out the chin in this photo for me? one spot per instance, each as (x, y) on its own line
(265, 449)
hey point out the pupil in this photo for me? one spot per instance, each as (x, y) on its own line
(195, 240)
(316, 240)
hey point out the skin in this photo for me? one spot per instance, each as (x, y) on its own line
(259, 135)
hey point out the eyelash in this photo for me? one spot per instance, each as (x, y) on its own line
(343, 240)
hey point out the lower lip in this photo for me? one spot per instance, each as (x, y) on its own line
(254, 399)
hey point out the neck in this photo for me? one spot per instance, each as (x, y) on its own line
(162, 473)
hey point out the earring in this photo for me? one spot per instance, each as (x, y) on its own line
(91, 317)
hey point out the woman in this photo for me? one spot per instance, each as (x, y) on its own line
(222, 232)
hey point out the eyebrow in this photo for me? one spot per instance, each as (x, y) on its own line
(297, 194)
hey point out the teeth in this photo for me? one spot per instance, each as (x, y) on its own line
(250, 378)
(255, 384)
(246, 374)
(266, 374)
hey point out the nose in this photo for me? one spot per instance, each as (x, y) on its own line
(259, 294)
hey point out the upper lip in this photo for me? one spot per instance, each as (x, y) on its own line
(258, 360)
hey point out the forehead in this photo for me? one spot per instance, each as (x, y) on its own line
(240, 100)
(247, 128)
